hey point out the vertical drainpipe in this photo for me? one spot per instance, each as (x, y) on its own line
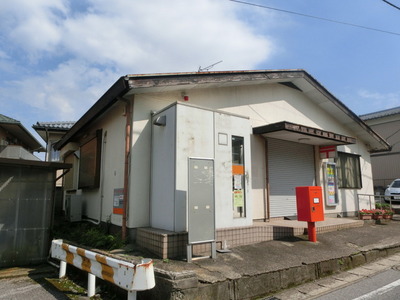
(128, 132)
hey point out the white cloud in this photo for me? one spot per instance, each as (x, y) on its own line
(75, 56)
(32, 25)
(379, 101)
(159, 36)
(62, 94)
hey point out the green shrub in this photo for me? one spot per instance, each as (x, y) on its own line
(89, 235)
(382, 206)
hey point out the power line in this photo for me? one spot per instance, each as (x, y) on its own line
(391, 4)
(315, 17)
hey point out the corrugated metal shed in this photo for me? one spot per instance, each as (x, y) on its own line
(26, 210)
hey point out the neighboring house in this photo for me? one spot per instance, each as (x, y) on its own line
(385, 165)
(174, 158)
(26, 197)
(51, 133)
(16, 140)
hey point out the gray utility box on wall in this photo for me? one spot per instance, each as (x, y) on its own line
(201, 212)
(201, 201)
(73, 208)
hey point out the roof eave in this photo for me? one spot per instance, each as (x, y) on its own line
(25, 136)
(118, 89)
(373, 138)
(151, 82)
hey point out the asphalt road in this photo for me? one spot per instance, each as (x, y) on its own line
(375, 280)
(42, 283)
(383, 286)
(22, 288)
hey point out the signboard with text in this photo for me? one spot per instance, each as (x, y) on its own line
(118, 201)
(331, 196)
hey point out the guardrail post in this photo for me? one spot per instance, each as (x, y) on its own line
(132, 295)
(91, 290)
(63, 269)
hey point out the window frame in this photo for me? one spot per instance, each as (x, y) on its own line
(344, 182)
(89, 162)
(238, 176)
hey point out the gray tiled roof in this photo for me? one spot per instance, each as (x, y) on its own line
(5, 119)
(60, 125)
(381, 114)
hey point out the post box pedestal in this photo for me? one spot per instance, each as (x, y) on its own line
(312, 232)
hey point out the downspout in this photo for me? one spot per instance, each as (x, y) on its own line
(128, 132)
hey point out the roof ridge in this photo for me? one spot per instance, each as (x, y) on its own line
(55, 122)
(64, 125)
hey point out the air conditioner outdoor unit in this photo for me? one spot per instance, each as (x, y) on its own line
(73, 208)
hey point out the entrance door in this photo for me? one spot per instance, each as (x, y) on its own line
(289, 165)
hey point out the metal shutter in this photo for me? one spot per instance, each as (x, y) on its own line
(289, 165)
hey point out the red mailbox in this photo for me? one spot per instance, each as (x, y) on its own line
(310, 208)
(310, 205)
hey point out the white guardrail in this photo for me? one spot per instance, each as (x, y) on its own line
(126, 275)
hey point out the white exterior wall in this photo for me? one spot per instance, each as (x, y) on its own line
(193, 133)
(231, 125)
(366, 179)
(263, 104)
(112, 167)
(194, 138)
(259, 179)
(163, 173)
(140, 163)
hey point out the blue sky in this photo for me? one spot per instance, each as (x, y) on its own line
(57, 57)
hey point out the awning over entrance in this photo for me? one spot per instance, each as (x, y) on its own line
(303, 134)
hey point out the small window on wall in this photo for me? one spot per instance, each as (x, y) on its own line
(89, 163)
(54, 154)
(238, 178)
(349, 171)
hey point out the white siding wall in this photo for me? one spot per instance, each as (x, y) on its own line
(259, 179)
(194, 133)
(139, 189)
(163, 172)
(231, 125)
(112, 167)
(348, 197)
(264, 104)
(195, 138)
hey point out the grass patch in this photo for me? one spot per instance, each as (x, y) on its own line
(89, 235)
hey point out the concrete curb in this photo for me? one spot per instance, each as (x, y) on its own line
(186, 285)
